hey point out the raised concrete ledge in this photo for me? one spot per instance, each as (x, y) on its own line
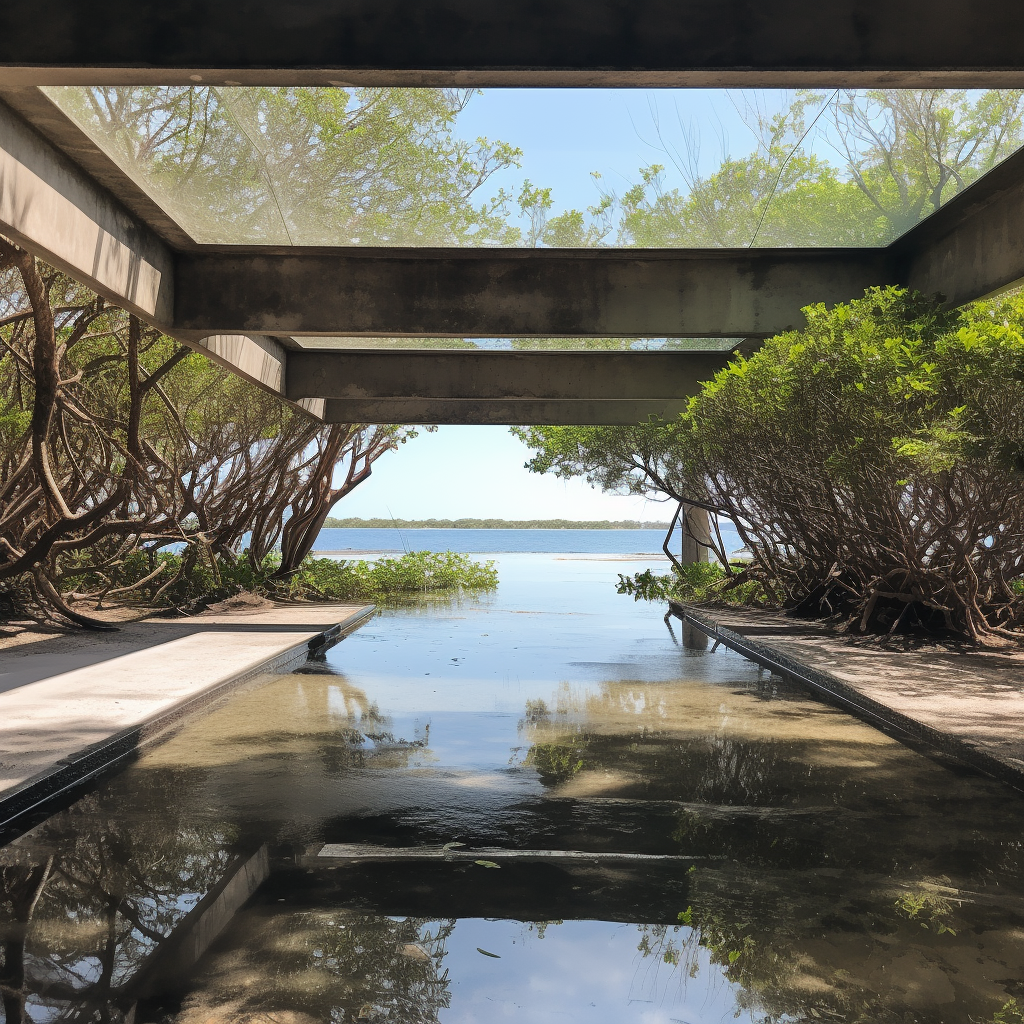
(58, 732)
(967, 705)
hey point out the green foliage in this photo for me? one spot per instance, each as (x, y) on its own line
(627, 459)
(931, 911)
(418, 572)
(902, 153)
(194, 576)
(557, 762)
(693, 583)
(1011, 1012)
(363, 166)
(880, 448)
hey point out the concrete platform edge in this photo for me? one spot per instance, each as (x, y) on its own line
(98, 757)
(849, 697)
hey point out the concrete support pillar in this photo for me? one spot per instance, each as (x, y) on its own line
(696, 529)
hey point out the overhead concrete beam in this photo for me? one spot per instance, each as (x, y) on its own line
(506, 412)
(261, 361)
(49, 206)
(974, 245)
(53, 209)
(37, 109)
(502, 375)
(515, 293)
(857, 43)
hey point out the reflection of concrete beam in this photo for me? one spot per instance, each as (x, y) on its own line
(213, 914)
(176, 957)
(545, 376)
(515, 293)
(974, 245)
(505, 412)
(861, 43)
(57, 212)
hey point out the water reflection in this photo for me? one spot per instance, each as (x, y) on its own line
(823, 871)
(90, 896)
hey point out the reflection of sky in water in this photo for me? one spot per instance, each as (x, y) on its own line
(579, 971)
(468, 672)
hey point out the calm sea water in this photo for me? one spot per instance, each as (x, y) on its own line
(625, 542)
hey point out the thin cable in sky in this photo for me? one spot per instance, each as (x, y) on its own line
(789, 156)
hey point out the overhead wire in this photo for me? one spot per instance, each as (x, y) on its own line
(782, 169)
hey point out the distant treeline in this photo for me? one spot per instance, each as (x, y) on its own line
(489, 524)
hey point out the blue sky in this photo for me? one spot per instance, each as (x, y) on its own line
(565, 135)
(477, 472)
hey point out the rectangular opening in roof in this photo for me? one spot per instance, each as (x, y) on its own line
(547, 167)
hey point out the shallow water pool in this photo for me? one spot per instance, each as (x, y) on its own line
(542, 805)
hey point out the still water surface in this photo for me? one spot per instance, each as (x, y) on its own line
(477, 541)
(823, 871)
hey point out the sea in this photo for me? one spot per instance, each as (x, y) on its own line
(356, 543)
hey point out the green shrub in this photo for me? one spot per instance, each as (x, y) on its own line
(192, 577)
(418, 572)
(695, 583)
(874, 462)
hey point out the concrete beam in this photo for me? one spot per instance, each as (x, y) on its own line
(515, 293)
(38, 110)
(49, 206)
(510, 412)
(859, 43)
(261, 361)
(487, 376)
(974, 245)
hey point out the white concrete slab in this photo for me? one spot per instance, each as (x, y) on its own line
(52, 720)
(54, 655)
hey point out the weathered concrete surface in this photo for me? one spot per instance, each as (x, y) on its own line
(965, 701)
(973, 245)
(852, 43)
(483, 375)
(502, 411)
(60, 729)
(513, 293)
(55, 210)
(48, 655)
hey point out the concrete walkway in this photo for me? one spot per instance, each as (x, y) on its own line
(72, 705)
(967, 702)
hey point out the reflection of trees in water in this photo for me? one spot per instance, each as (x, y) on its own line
(112, 891)
(838, 894)
(590, 733)
(88, 896)
(325, 966)
(825, 946)
(21, 885)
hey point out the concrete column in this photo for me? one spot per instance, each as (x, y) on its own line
(696, 535)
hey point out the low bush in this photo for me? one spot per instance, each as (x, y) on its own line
(693, 583)
(190, 579)
(418, 572)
